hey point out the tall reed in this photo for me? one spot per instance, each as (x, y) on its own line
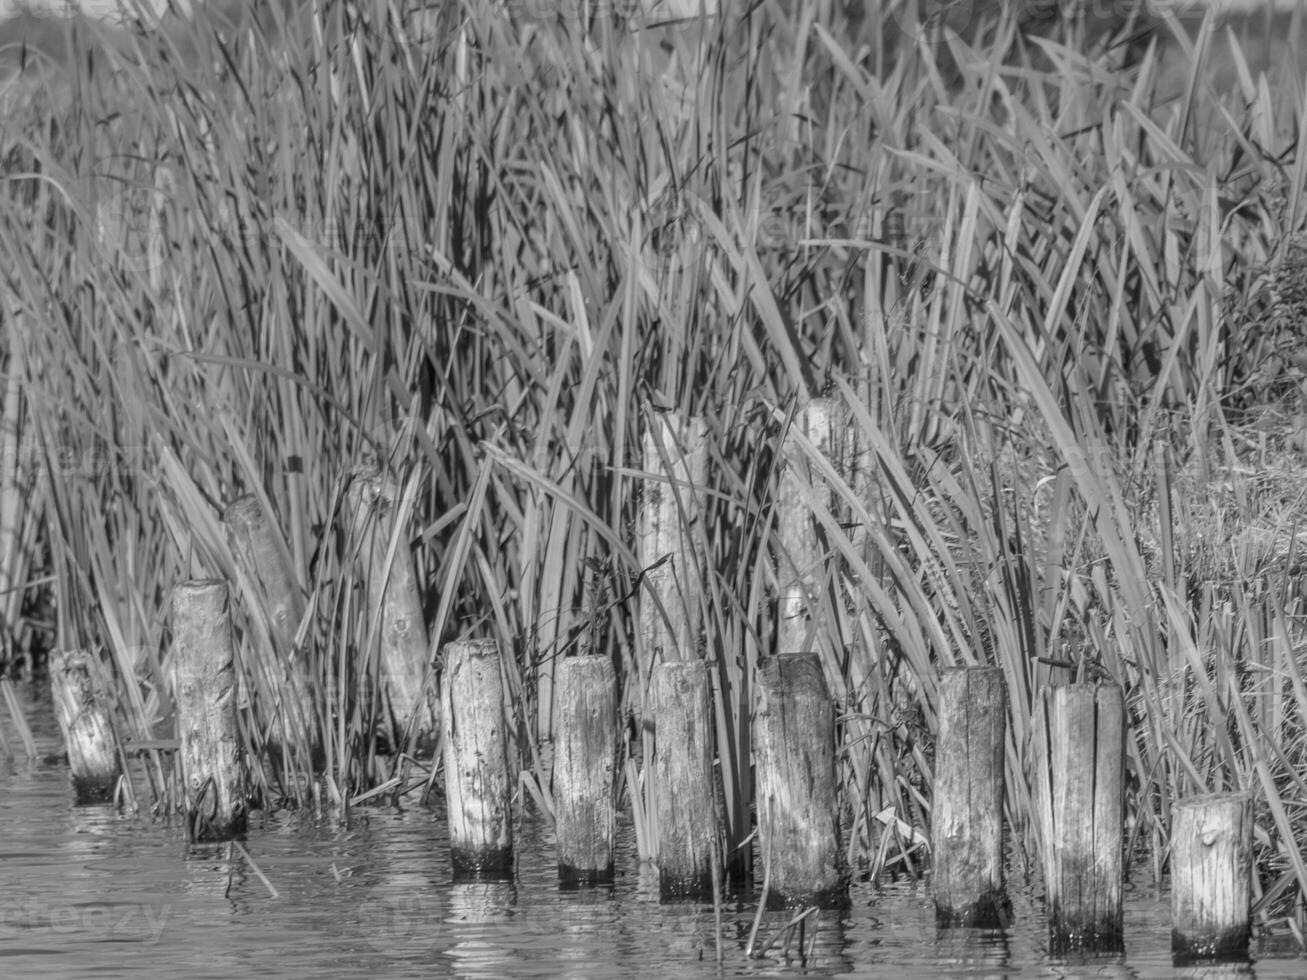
(483, 248)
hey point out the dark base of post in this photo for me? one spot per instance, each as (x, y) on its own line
(204, 830)
(794, 763)
(1102, 940)
(487, 864)
(828, 899)
(576, 879)
(1080, 746)
(988, 912)
(424, 746)
(684, 780)
(683, 887)
(478, 787)
(967, 819)
(208, 822)
(585, 761)
(1228, 947)
(211, 752)
(1211, 879)
(81, 707)
(89, 790)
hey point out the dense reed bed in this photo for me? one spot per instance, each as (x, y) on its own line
(1055, 301)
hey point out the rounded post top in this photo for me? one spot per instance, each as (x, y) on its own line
(586, 665)
(1205, 799)
(63, 659)
(371, 478)
(199, 597)
(201, 585)
(480, 647)
(792, 656)
(245, 509)
(681, 667)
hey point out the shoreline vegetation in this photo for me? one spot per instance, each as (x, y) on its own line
(1053, 289)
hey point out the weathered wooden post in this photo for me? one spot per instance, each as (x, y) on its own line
(265, 561)
(675, 453)
(395, 604)
(967, 822)
(1211, 877)
(794, 756)
(79, 690)
(585, 767)
(1080, 776)
(204, 689)
(17, 508)
(683, 788)
(478, 786)
(800, 563)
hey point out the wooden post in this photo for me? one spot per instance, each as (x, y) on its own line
(800, 563)
(478, 787)
(264, 558)
(204, 689)
(78, 686)
(1211, 875)
(1081, 807)
(967, 822)
(676, 455)
(585, 766)
(794, 759)
(17, 509)
(395, 604)
(684, 805)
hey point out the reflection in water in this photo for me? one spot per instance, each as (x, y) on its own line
(588, 919)
(92, 893)
(1084, 966)
(984, 953)
(406, 902)
(819, 943)
(213, 874)
(1243, 970)
(683, 927)
(685, 930)
(481, 941)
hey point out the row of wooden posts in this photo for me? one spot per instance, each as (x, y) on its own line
(1080, 748)
(1080, 729)
(204, 677)
(1080, 798)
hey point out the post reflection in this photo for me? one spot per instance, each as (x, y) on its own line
(481, 943)
(985, 954)
(587, 923)
(1083, 965)
(401, 911)
(805, 939)
(1242, 969)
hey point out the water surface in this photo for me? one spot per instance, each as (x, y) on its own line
(89, 892)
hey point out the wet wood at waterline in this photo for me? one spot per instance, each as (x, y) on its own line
(967, 814)
(204, 691)
(585, 767)
(1211, 877)
(794, 755)
(478, 782)
(1080, 745)
(395, 608)
(80, 694)
(684, 798)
